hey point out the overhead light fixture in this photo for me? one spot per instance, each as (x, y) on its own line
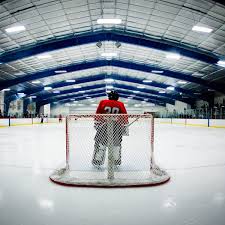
(202, 29)
(47, 88)
(6, 89)
(80, 104)
(94, 104)
(109, 54)
(36, 82)
(88, 97)
(140, 86)
(135, 92)
(21, 94)
(196, 74)
(15, 29)
(221, 63)
(147, 81)
(81, 91)
(170, 88)
(109, 87)
(137, 105)
(162, 92)
(44, 56)
(70, 81)
(108, 91)
(67, 104)
(61, 71)
(19, 74)
(118, 44)
(181, 82)
(146, 99)
(56, 92)
(109, 21)
(174, 56)
(99, 44)
(33, 96)
(109, 80)
(77, 86)
(157, 71)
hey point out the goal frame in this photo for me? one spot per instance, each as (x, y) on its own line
(162, 176)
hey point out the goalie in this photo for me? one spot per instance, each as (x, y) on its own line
(110, 106)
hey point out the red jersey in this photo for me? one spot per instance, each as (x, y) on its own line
(111, 107)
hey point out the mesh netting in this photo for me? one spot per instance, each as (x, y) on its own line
(110, 150)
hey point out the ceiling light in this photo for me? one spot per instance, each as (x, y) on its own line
(70, 81)
(173, 56)
(47, 88)
(109, 87)
(140, 86)
(72, 99)
(109, 80)
(81, 91)
(56, 92)
(33, 96)
(146, 99)
(137, 105)
(135, 92)
(6, 89)
(147, 81)
(162, 92)
(36, 82)
(109, 21)
(170, 88)
(94, 104)
(80, 104)
(109, 54)
(202, 29)
(99, 44)
(19, 74)
(44, 56)
(221, 63)
(88, 97)
(15, 29)
(157, 71)
(60, 71)
(181, 82)
(67, 104)
(198, 74)
(77, 86)
(108, 91)
(21, 94)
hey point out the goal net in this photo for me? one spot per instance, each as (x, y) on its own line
(110, 150)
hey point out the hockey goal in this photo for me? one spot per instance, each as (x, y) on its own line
(110, 150)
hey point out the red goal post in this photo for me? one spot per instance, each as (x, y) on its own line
(110, 150)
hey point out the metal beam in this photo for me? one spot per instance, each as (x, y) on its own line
(117, 63)
(154, 94)
(92, 91)
(124, 37)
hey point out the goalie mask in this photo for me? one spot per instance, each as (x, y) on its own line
(113, 95)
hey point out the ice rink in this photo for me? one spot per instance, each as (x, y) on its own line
(195, 195)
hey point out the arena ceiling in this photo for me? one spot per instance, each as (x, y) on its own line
(158, 51)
